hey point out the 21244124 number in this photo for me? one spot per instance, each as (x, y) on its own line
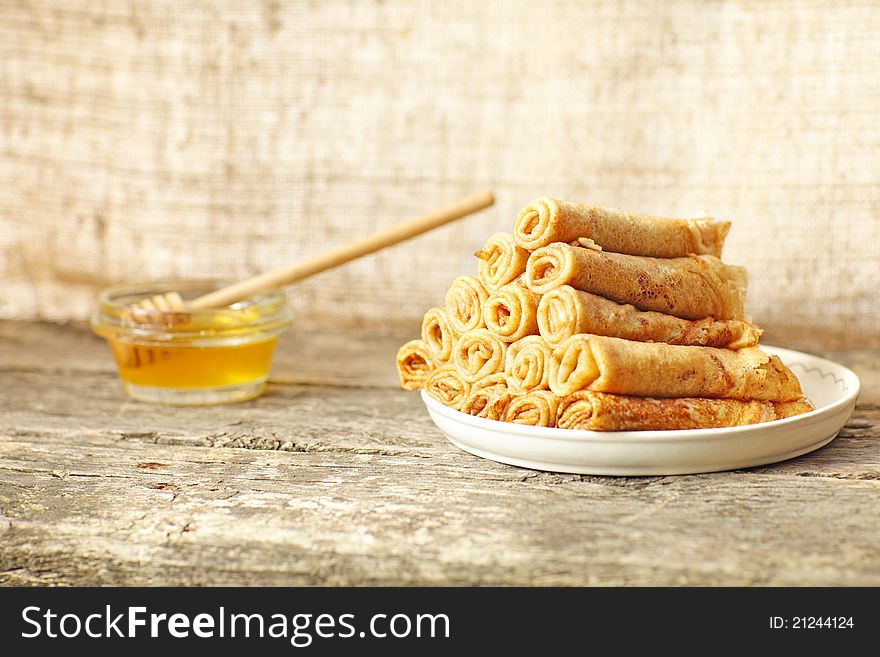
(811, 622)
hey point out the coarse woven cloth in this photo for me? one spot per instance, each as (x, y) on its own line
(154, 139)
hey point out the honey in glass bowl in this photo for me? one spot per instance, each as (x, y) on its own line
(210, 356)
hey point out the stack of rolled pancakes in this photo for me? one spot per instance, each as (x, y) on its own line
(592, 318)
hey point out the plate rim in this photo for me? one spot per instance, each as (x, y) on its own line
(641, 470)
(815, 416)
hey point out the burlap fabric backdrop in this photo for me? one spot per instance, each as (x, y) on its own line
(155, 139)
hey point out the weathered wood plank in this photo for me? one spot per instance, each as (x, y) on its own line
(352, 484)
(115, 515)
(65, 491)
(364, 360)
(287, 417)
(307, 418)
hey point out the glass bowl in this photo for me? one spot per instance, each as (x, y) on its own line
(212, 356)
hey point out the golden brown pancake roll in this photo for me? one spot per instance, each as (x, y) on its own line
(598, 411)
(414, 364)
(655, 369)
(464, 304)
(478, 353)
(438, 335)
(488, 403)
(565, 311)
(446, 385)
(511, 312)
(789, 409)
(496, 381)
(536, 408)
(527, 364)
(546, 220)
(501, 261)
(689, 288)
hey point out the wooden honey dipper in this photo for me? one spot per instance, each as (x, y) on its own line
(172, 302)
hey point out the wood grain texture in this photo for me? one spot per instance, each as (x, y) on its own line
(148, 139)
(358, 359)
(322, 483)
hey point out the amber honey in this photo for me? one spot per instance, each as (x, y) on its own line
(193, 367)
(200, 357)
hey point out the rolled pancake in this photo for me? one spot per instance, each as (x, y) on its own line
(689, 288)
(511, 312)
(478, 354)
(596, 411)
(447, 386)
(496, 381)
(527, 364)
(438, 335)
(489, 403)
(536, 408)
(655, 369)
(565, 311)
(792, 408)
(464, 304)
(414, 364)
(546, 220)
(501, 261)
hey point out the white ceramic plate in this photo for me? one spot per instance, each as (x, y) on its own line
(831, 387)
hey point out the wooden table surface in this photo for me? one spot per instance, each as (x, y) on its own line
(337, 477)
